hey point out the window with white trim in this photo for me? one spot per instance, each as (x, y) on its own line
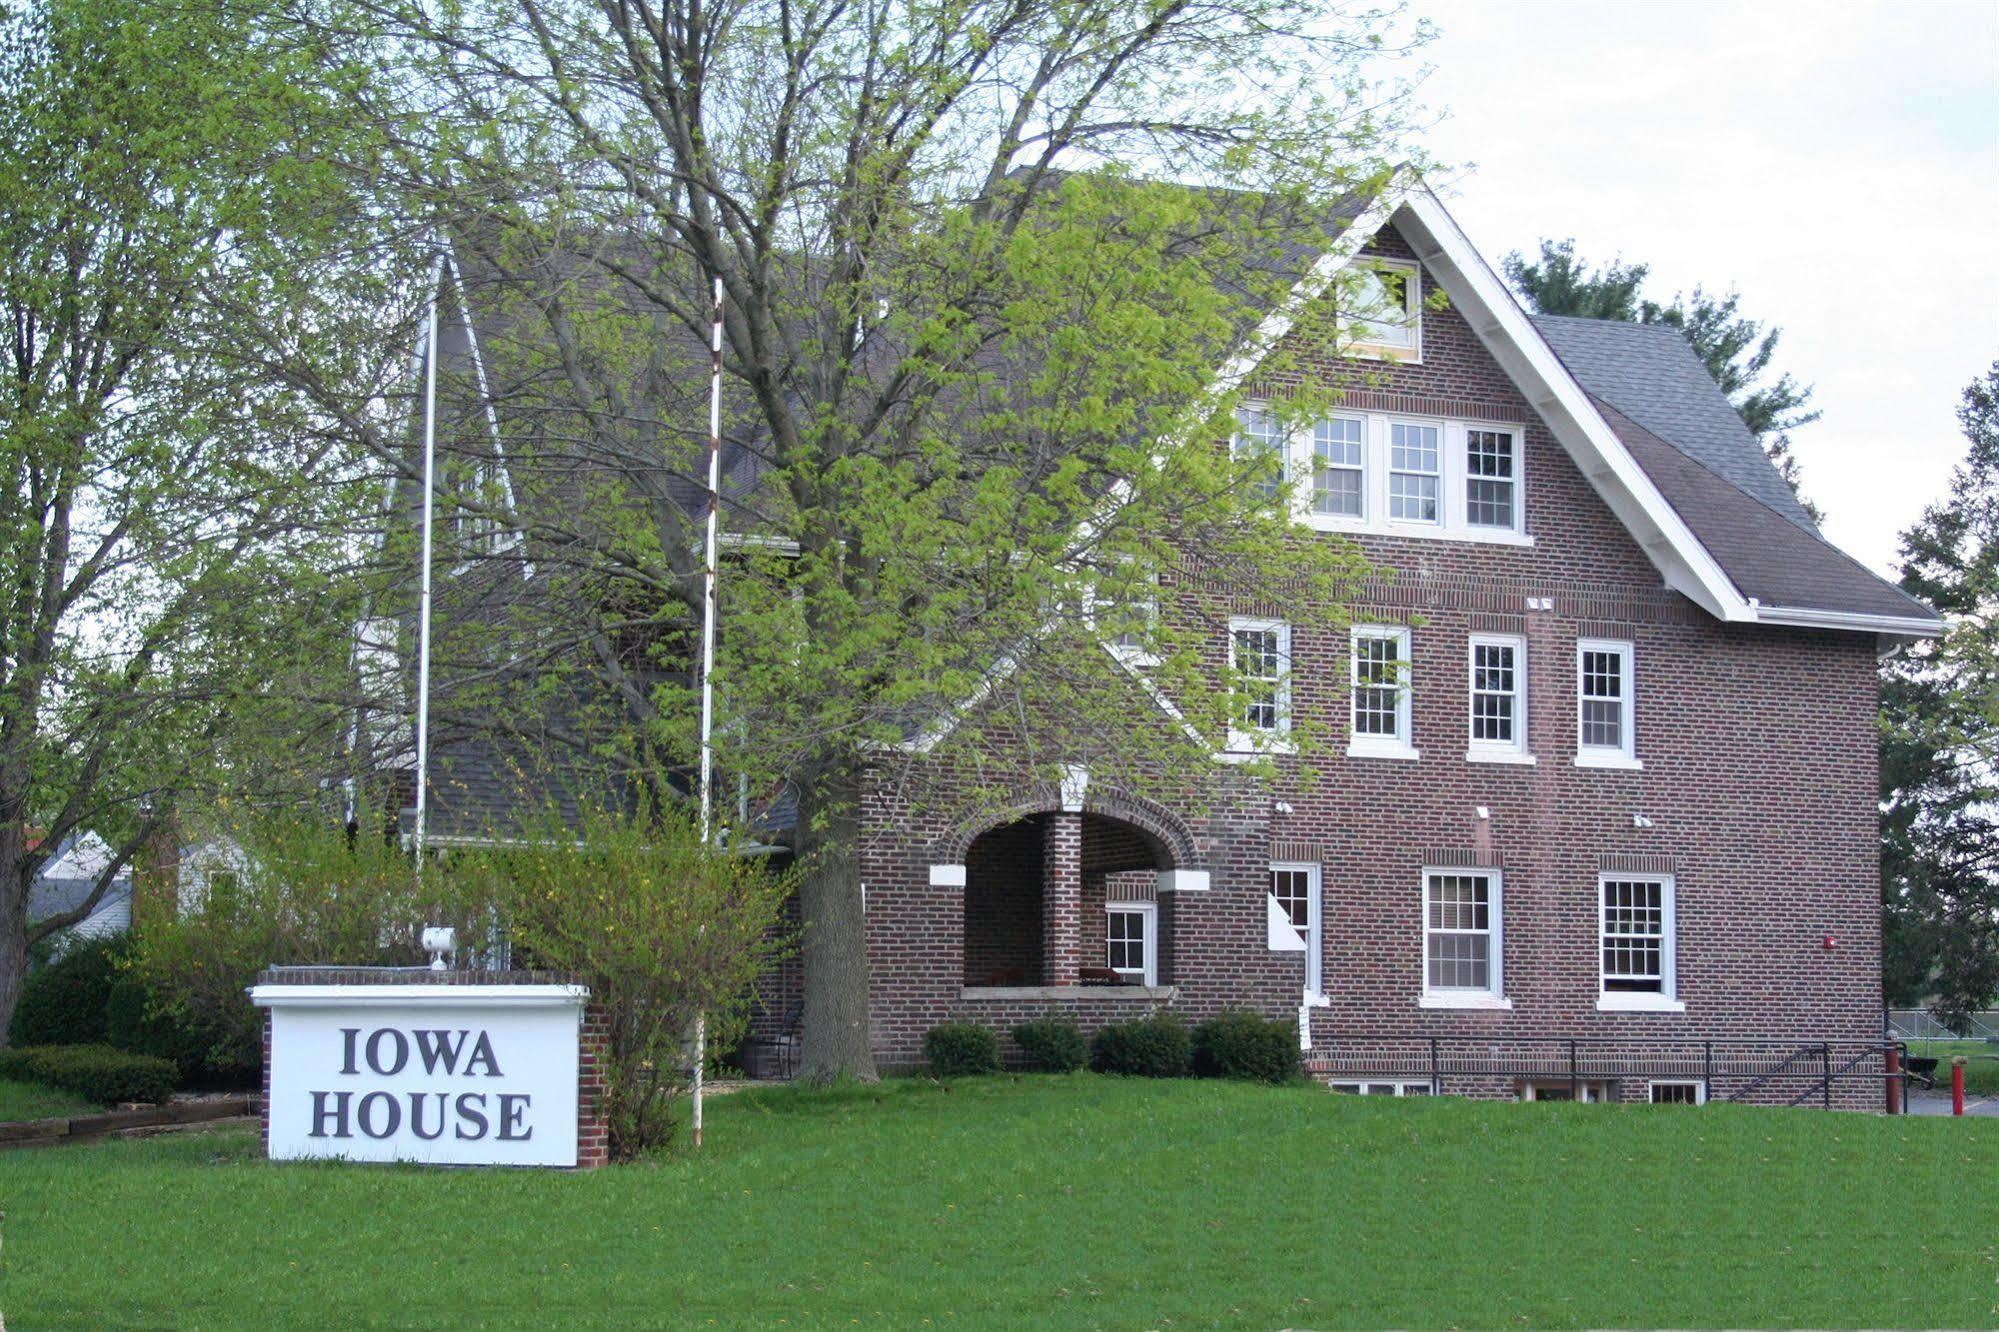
(1461, 935)
(1379, 685)
(1260, 443)
(1339, 467)
(1380, 1088)
(1379, 303)
(1498, 695)
(1131, 941)
(1604, 699)
(1415, 473)
(1676, 1091)
(1260, 663)
(1635, 917)
(1595, 1092)
(1489, 458)
(1295, 887)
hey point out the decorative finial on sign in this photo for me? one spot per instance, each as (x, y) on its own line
(439, 940)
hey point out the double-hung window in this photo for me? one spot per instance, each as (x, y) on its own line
(1131, 941)
(1605, 715)
(1380, 688)
(1498, 698)
(1260, 446)
(1489, 478)
(1635, 917)
(1339, 467)
(1380, 304)
(1295, 889)
(1260, 667)
(1415, 473)
(1461, 938)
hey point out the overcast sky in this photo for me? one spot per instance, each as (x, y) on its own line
(1836, 162)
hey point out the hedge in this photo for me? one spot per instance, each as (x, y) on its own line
(95, 1072)
(1052, 1045)
(1243, 1045)
(63, 1002)
(1155, 1048)
(959, 1049)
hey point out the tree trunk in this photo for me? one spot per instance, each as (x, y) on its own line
(13, 923)
(834, 950)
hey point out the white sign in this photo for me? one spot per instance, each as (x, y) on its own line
(444, 1074)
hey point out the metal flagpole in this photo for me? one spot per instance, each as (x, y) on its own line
(708, 610)
(423, 596)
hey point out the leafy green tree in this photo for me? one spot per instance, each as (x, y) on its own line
(173, 517)
(1736, 350)
(1940, 744)
(971, 350)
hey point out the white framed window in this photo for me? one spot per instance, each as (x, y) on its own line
(1438, 479)
(1128, 619)
(1260, 443)
(1415, 473)
(1294, 886)
(1490, 456)
(1260, 667)
(1635, 934)
(1131, 941)
(1379, 303)
(1676, 1091)
(1595, 1092)
(1498, 698)
(1380, 694)
(1339, 467)
(1606, 734)
(1378, 1088)
(1462, 939)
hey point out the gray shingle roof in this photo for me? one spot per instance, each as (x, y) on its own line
(1660, 401)
(1653, 375)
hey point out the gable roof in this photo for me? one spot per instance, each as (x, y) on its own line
(1763, 563)
(1651, 373)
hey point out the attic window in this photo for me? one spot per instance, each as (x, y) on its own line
(1381, 307)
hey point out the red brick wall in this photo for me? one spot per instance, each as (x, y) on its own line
(1758, 747)
(593, 1136)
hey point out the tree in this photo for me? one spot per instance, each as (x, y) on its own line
(1736, 350)
(972, 352)
(1940, 744)
(172, 523)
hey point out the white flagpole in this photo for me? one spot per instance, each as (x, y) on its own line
(423, 596)
(708, 612)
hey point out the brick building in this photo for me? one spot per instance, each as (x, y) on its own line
(1601, 816)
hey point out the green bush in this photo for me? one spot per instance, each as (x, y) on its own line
(210, 1046)
(95, 1072)
(1155, 1048)
(64, 1001)
(960, 1049)
(1243, 1045)
(1052, 1045)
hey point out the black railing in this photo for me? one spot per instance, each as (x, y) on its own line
(1775, 1071)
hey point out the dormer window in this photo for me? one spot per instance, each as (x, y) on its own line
(1380, 305)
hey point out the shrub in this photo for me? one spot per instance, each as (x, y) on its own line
(1243, 1045)
(95, 1072)
(1155, 1048)
(213, 1046)
(960, 1049)
(1052, 1045)
(64, 1001)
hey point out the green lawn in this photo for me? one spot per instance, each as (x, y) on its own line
(1082, 1201)
(31, 1100)
(1981, 1068)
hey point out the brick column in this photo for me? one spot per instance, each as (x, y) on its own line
(1062, 898)
(593, 1138)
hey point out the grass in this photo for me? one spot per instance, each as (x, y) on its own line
(1981, 1067)
(31, 1100)
(1066, 1201)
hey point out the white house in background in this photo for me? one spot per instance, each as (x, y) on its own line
(65, 883)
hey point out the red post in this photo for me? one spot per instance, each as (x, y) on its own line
(1957, 1085)
(1891, 1064)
